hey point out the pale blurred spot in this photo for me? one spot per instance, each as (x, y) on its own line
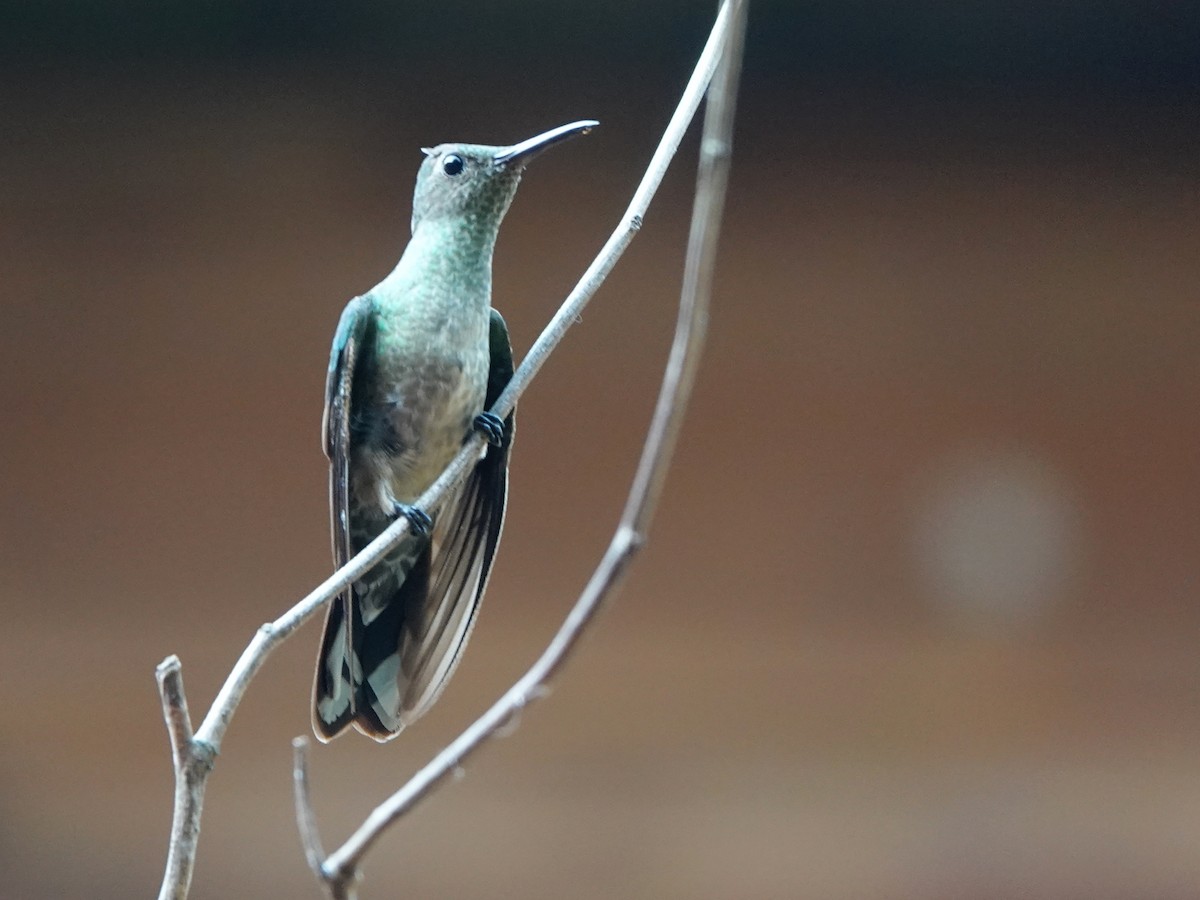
(996, 535)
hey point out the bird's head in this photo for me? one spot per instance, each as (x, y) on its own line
(472, 185)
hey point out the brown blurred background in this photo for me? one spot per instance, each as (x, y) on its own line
(919, 616)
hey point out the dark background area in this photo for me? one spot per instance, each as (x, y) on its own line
(919, 616)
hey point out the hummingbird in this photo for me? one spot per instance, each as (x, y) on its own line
(416, 363)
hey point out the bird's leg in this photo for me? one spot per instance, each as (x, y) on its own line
(418, 519)
(491, 427)
(388, 504)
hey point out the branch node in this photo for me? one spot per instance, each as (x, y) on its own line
(635, 223)
(204, 756)
(342, 878)
(511, 722)
(628, 540)
(716, 148)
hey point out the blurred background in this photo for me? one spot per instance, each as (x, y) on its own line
(919, 616)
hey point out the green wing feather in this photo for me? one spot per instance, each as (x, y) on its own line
(333, 687)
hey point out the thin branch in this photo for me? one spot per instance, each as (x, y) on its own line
(712, 177)
(631, 221)
(205, 744)
(343, 865)
(169, 676)
(192, 762)
(314, 852)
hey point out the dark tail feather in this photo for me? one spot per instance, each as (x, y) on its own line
(378, 702)
(358, 679)
(333, 689)
(391, 645)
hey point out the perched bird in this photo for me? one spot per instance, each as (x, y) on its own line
(416, 363)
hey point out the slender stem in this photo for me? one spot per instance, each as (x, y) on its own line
(344, 864)
(712, 178)
(192, 763)
(314, 851)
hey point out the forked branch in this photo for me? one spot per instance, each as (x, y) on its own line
(194, 754)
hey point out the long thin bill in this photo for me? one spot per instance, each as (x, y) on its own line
(526, 150)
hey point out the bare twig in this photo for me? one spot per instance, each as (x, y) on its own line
(314, 852)
(343, 866)
(193, 761)
(716, 150)
(194, 754)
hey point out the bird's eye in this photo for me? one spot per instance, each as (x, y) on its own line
(452, 164)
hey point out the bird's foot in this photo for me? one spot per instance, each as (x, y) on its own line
(491, 427)
(418, 519)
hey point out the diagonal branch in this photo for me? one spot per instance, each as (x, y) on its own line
(195, 754)
(341, 870)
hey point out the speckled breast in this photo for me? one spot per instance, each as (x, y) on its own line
(418, 423)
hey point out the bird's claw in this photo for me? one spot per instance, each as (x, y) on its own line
(491, 427)
(418, 519)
